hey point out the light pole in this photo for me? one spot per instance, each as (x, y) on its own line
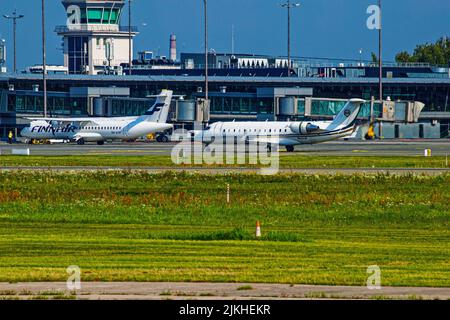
(380, 54)
(44, 59)
(288, 5)
(380, 66)
(130, 58)
(206, 50)
(14, 17)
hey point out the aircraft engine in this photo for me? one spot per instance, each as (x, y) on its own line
(304, 128)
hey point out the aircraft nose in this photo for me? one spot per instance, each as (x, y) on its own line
(24, 132)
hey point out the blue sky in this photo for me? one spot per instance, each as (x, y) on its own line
(320, 28)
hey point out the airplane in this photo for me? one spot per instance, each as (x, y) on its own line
(99, 130)
(287, 134)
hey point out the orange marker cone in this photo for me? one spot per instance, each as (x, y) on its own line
(258, 229)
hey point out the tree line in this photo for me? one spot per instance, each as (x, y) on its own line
(437, 53)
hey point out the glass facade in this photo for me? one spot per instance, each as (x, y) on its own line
(331, 108)
(245, 104)
(241, 96)
(128, 107)
(57, 104)
(78, 53)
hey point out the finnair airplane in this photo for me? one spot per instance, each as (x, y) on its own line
(288, 134)
(99, 130)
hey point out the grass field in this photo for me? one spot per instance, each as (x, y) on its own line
(177, 227)
(286, 161)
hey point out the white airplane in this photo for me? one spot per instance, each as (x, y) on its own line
(288, 134)
(99, 130)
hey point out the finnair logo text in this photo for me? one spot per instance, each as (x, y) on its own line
(53, 130)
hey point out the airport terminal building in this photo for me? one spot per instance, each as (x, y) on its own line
(232, 98)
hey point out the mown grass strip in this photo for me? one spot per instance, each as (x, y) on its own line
(286, 161)
(122, 226)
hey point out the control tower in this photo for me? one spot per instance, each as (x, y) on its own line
(93, 39)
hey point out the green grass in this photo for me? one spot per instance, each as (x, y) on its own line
(286, 161)
(126, 226)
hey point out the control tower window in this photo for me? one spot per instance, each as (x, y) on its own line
(95, 15)
(106, 16)
(114, 16)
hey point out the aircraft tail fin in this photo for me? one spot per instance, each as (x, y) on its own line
(160, 110)
(347, 117)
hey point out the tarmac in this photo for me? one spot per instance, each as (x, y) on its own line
(439, 147)
(238, 170)
(212, 291)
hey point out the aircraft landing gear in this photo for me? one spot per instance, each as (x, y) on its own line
(100, 143)
(162, 138)
(80, 142)
(290, 148)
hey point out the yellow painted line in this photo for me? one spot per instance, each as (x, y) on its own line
(360, 151)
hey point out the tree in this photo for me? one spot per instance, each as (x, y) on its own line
(374, 57)
(403, 57)
(435, 54)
